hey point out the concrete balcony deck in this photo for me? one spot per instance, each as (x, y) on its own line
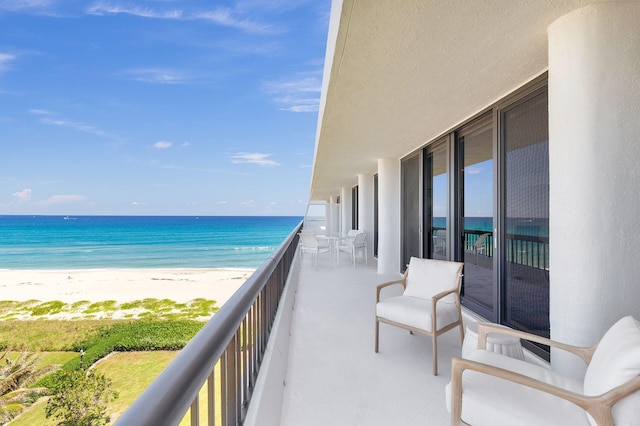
(334, 377)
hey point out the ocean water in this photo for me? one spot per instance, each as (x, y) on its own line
(533, 227)
(83, 242)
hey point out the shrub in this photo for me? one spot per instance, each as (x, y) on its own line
(79, 398)
(48, 308)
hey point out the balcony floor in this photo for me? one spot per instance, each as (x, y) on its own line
(334, 377)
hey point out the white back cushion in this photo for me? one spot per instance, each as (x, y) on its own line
(615, 362)
(428, 277)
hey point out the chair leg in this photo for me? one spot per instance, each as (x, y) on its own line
(377, 333)
(461, 332)
(434, 337)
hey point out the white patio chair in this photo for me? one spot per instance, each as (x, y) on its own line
(479, 246)
(353, 246)
(430, 303)
(498, 390)
(309, 243)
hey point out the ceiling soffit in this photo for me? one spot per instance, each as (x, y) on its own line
(404, 72)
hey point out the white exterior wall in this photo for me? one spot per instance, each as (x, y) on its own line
(388, 216)
(365, 209)
(594, 149)
(345, 209)
(333, 217)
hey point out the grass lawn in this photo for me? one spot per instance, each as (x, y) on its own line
(45, 335)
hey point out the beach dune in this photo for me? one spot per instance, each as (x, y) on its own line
(121, 285)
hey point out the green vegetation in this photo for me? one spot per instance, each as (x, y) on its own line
(158, 327)
(48, 308)
(16, 375)
(197, 309)
(47, 335)
(79, 397)
(135, 336)
(130, 374)
(106, 306)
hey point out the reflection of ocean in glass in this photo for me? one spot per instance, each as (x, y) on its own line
(530, 227)
(55, 242)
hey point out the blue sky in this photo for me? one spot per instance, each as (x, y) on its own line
(159, 107)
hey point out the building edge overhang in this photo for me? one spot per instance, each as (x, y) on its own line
(398, 75)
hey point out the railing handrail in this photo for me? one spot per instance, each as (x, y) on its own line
(168, 398)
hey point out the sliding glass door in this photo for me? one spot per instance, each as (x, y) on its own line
(411, 208)
(436, 184)
(476, 189)
(525, 207)
(480, 195)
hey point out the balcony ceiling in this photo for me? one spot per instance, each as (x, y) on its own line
(400, 73)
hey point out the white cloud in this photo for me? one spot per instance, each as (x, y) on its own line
(103, 8)
(257, 158)
(221, 203)
(36, 111)
(63, 199)
(25, 5)
(473, 170)
(162, 145)
(249, 203)
(186, 145)
(23, 196)
(222, 16)
(5, 60)
(300, 95)
(157, 75)
(307, 84)
(227, 18)
(78, 126)
(138, 203)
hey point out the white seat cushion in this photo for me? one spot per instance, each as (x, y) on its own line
(491, 401)
(428, 277)
(416, 312)
(615, 362)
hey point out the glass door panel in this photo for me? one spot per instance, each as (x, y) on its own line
(476, 182)
(410, 190)
(526, 215)
(436, 202)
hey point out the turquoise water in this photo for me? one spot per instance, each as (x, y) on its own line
(517, 226)
(83, 242)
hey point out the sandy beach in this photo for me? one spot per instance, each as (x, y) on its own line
(121, 285)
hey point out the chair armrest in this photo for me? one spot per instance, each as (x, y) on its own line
(599, 407)
(379, 287)
(443, 294)
(485, 328)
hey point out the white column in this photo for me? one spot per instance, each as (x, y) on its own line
(388, 216)
(345, 205)
(594, 150)
(332, 217)
(365, 208)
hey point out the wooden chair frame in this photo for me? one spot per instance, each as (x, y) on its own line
(599, 407)
(434, 326)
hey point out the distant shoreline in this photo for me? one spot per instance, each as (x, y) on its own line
(121, 284)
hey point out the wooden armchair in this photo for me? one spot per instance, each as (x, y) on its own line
(492, 389)
(430, 303)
